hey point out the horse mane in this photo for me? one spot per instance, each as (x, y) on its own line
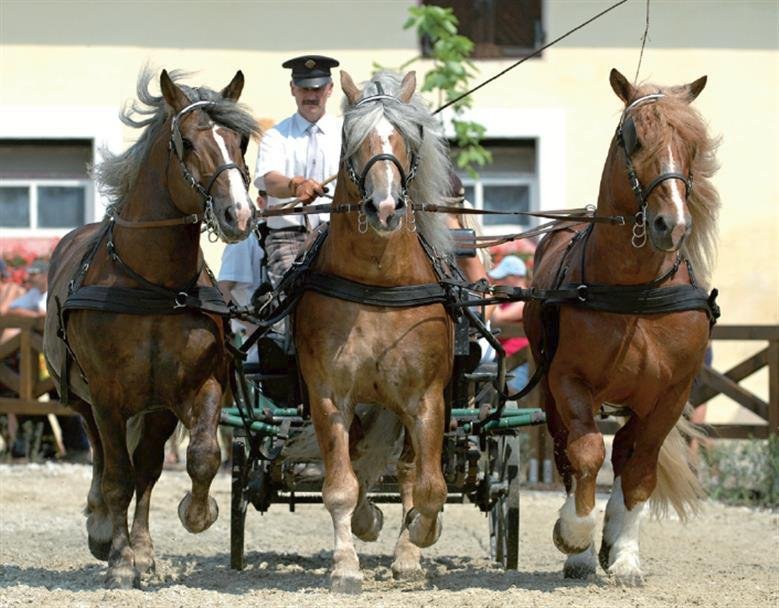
(432, 179)
(673, 118)
(117, 173)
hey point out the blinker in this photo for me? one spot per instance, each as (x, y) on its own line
(629, 136)
(177, 140)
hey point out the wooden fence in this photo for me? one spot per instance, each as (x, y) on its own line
(23, 382)
(22, 377)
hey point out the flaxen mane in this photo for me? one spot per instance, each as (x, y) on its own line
(669, 119)
(432, 180)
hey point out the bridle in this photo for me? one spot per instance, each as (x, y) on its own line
(628, 141)
(359, 179)
(207, 216)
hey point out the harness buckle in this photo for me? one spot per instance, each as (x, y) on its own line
(582, 293)
(180, 301)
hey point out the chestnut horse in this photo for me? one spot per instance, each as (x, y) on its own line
(138, 349)
(397, 358)
(656, 177)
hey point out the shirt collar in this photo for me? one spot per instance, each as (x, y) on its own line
(325, 124)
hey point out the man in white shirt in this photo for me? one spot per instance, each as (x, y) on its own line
(296, 156)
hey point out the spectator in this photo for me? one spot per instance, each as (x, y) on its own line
(511, 272)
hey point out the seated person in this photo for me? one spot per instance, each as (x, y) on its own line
(511, 272)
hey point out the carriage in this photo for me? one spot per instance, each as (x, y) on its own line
(481, 455)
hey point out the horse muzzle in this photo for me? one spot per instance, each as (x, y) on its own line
(385, 216)
(666, 232)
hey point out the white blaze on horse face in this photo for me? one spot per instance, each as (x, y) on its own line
(238, 192)
(676, 188)
(384, 201)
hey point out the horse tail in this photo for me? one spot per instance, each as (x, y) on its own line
(677, 480)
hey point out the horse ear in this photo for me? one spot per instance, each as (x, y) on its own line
(172, 93)
(408, 86)
(233, 90)
(621, 86)
(350, 89)
(692, 90)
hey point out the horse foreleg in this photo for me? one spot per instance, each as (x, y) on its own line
(426, 429)
(117, 491)
(198, 510)
(406, 564)
(573, 531)
(147, 460)
(340, 491)
(638, 482)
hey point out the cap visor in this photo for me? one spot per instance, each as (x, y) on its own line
(311, 83)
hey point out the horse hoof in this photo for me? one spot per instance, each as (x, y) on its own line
(626, 571)
(417, 534)
(603, 555)
(371, 533)
(100, 549)
(123, 577)
(402, 572)
(560, 543)
(580, 565)
(199, 524)
(145, 565)
(346, 583)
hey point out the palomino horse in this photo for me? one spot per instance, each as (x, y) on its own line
(398, 358)
(139, 349)
(619, 350)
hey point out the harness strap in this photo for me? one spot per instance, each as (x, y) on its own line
(401, 296)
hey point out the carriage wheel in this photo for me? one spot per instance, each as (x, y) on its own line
(238, 504)
(503, 458)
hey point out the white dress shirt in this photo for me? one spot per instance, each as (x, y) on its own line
(285, 149)
(241, 264)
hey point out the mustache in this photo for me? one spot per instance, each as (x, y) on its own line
(310, 102)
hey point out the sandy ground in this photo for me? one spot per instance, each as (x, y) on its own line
(726, 557)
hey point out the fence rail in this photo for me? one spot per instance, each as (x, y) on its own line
(23, 383)
(21, 379)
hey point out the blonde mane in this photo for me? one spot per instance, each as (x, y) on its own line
(673, 119)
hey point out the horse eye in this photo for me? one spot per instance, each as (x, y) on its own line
(188, 145)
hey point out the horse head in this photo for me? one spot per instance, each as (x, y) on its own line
(379, 155)
(213, 181)
(655, 148)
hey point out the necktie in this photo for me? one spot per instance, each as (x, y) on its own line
(313, 160)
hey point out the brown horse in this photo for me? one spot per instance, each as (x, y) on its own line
(397, 358)
(126, 289)
(656, 177)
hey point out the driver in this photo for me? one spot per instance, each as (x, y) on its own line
(296, 156)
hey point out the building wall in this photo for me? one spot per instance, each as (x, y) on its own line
(66, 69)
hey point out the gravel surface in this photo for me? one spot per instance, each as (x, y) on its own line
(728, 556)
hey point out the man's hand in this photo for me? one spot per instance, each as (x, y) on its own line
(307, 190)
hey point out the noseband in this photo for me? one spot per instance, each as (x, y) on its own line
(405, 178)
(176, 146)
(628, 141)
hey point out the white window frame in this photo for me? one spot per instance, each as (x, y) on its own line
(547, 126)
(33, 184)
(504, 179)
(96, 123)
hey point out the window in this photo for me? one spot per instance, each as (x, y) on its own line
(508, 183)
(44, 184)
(499, 28)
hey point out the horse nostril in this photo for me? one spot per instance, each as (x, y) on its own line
(660, 224)
(230, 216)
